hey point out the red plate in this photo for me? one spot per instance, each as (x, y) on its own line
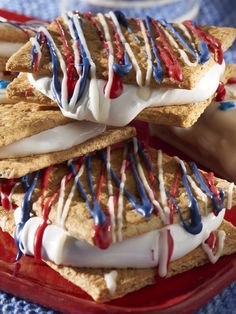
(38, 283)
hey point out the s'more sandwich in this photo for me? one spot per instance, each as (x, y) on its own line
(211, 140)
(34, 136)
(13, 36)
(110, 69)
(113, 220)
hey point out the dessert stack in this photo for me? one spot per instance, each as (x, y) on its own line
(78, 189)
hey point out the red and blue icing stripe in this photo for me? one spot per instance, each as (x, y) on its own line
(213, 43)
(158, 72)
(165, 61)
(202, 56)
(217, 200)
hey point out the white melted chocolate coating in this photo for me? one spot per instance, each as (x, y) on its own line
(122, 110)
(142, 251)
(56, 139)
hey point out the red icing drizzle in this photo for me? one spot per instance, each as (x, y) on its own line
(116, 85)
(173, 193)
(45, 209)
(72, 76)
(5, 190)
(210, 179)
(211, 241)
(172, 65)
(231, 80)
(220, 92)
(213, 43)
(102, 236)
(36, 56)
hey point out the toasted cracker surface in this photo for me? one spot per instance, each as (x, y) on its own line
(17, 167)
(14, 34)
(3, 61)
(21, 120)
(21, 61)
(128, 280)
(20, 88)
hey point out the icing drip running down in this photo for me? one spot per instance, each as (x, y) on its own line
(163, 41)
(137, 161)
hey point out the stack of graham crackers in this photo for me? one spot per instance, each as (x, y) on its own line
(78, 189)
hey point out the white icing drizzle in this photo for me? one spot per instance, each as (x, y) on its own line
(147, 187)
(148, 52)
(104, 24)
(62, 212)
(64, 95)
(197, 190)
(61, 200)
(127, 48)
(110, 279)
(220, 246)
(230, 195)
(193, 184)
(182, 53)
(185, 31)
(93, 86)
(11, 193)
(121, 196)
(111, 203)
(163, 195)
(36, 46)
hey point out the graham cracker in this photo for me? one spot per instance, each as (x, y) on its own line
(13, 33)
(20, 88)
(128, 280)
(21, 61)
(21, 120)
(79, 222)
(3, 61)
(182, 116)
(18, 167)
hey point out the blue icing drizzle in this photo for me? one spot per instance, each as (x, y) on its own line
(125, 68)
(203, 48)
(85, 65)
(195, 225)
(157, 69)
(204, 52)
(145, 208)
(95, 211)
(226, 105)
(121, 18)
(217, 207)
(145, 157)
(122, 69)
(85, 61)
(124, 21)
(4, 84)
(25, 209)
